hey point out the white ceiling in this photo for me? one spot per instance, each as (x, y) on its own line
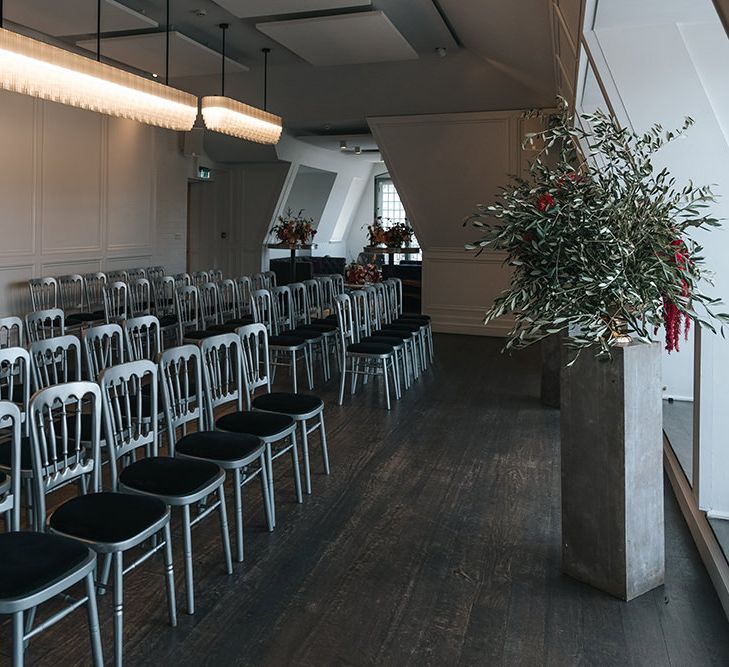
(620, 13)
(74, 17)
(146, 52)
(344, 39)
(254, 8)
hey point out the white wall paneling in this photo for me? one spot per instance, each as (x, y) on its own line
(82, 192)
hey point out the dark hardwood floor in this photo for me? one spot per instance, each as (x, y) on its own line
(435, 541)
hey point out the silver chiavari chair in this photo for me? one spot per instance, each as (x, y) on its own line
(103, 348)
(337, 283)
(326, 284)
(191, 314)
(94, 284)
(306, 410)
(232, 314)
(109, 523)
(43, 324)
(72, 293)
(37, 566)
(182, 280)
(180, 373)
(165, 308)
(140, 297)
(261, 281)
(178, 482)
(270, 278)
(245, 287)
(215, 275)
(136, 274)
(418, 318)
(142, 338)
(43, 293)
(116, 301)
(12, 332)
(119, 276)
(199, 278)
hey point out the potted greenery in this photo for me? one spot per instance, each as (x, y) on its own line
(601, 250)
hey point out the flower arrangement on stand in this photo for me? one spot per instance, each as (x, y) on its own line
(293, 229)
(396, 235)
(599, 244)
(361, 274)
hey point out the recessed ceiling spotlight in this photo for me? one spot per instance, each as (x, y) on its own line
(200, 12)
(154, 75)
(342, 145)
(442, 52)
(358, 150)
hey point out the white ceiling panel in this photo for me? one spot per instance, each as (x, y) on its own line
(74, 17)
(345, 39)
(147, 52)
(250, 8)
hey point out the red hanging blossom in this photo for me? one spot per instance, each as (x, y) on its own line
(672, 316)
(545, 201)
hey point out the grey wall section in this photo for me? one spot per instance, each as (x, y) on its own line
(310, 192)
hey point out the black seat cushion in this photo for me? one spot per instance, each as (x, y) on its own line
(231, 325)
(219, 445)
(415, 316)
(166, 476)
(80, 318)
(262, 424)
(392, 333)
(402, 326)
(370, 348)
(303, 332)
(290, 404)
(321, 327)
(200, 334)
(32, 561)
(383, 340)
(411, 320)
(107, 517)
(168, 320)
(285, 341)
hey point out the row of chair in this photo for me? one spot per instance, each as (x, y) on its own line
(62, 423)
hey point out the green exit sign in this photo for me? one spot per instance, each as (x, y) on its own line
(204, 172)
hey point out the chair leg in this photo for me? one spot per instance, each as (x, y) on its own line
(387, 382)
(271, 495)
(225, 536)
(18, 644)
(308, 358)
(305, 451)
(294, 372)
(238, 510)
(324, 448)
(355, 370)
(187, 553)
(170, 577)
(118, 566)
(93, 614)
(105, 571)
(263, 474)
(295, 463)
(343, 380)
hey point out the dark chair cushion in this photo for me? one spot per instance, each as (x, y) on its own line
(289, 404)
(370, 348)
(166, 476)
(106, 517)
(285, 341)
(231, 325)
(168, 320)
(199, 334)
(321, 328)
(219, 445)
(262, 424)
(303, 332)
(80, 318)
(383, 340)
(415, 316)
(32, 561)
(411, 320)
(412, 328)
(391, 333)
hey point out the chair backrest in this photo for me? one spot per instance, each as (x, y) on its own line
(54, 361)
(300, 311)
(10, 419)
(215, 275)
(130, 415)
(199, 278)
(182, 280)
(72, 293)
(345, 321)
(222, 373)
(244, 295)
(384, 311)
(337, 283)
(154, 273)
(271, 278)
(261, 281)
(375, 306)
(180, 376)
(255, 359)
(263, 304)
(398, 294)
(327, 291)
(62, 450)
(313, 292)
(103, 347)
(188, 307)
(15, 378)
(209, 304)
(136, 274)
(43, 324)
(140, 296)
(142, 337)
(95, 284)
(118, 276)
(116, 301)
(228, 300)
(12, 332)
(43, 293)
(394, 307)
(282, 308)
(360, 314)
(164, 296)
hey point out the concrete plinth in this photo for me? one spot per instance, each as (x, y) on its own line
(551, 368)
(612, 470)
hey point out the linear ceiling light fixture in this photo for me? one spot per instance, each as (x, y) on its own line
(228, 116)
(40, 70)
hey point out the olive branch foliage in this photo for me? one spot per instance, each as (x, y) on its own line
(591, 236)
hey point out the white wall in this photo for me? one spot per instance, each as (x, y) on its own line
(83, 192)
(364, 216)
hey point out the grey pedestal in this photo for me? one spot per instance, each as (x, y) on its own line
(551, 368)
(612, 470)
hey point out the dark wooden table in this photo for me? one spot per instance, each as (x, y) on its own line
(293, 247)
(390, 252)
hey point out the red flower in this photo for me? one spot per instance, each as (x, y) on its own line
(545, 201)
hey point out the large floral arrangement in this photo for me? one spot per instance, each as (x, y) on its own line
(360, 274)
(600, 244)
(294, 229)
(396, 235)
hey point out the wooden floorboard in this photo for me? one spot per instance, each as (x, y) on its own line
(435, 541)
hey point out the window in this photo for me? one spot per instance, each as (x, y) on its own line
(388, 206)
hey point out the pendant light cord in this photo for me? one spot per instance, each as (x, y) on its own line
(98, 31)
(223, 27)
(167, 47)
(266, 51)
